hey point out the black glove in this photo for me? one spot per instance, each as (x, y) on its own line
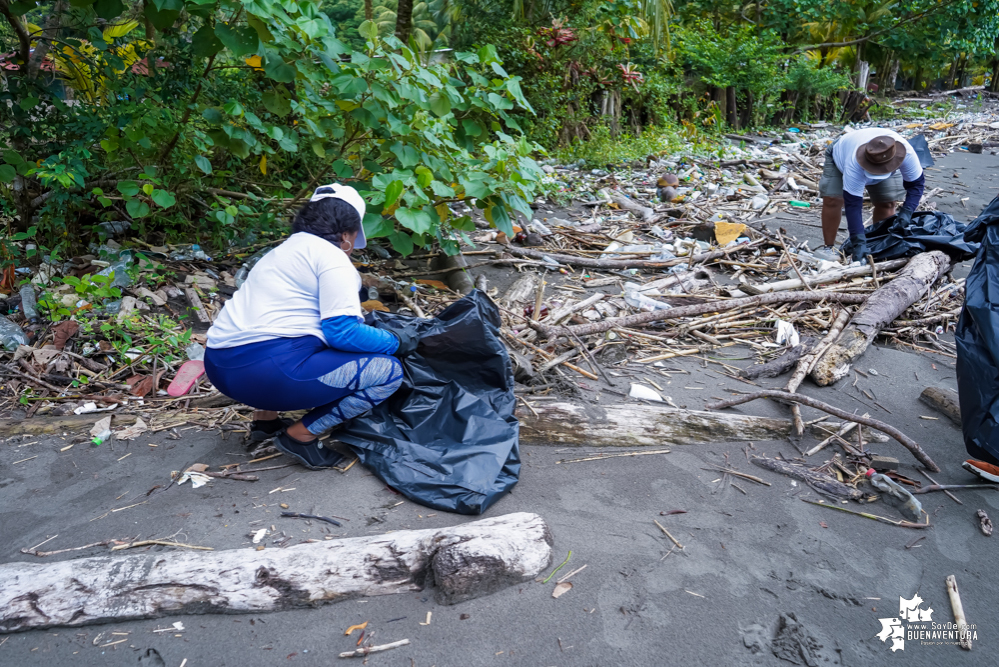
(407, 343)
(904, 216)
(858, 245)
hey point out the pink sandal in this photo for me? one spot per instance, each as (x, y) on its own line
(186, 378)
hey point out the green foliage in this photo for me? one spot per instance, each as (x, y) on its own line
(247, 99)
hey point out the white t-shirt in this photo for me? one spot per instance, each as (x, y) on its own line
(855, 179)
(288, 293)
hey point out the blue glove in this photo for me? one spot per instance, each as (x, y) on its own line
(858, 243)
(408, 343)
(904, 216)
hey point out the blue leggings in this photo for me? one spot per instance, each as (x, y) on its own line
(301, 373)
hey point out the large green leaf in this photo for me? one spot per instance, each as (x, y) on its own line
(440, 104)
(276, 103)
(204, 43)
(163, 199)
(108, 9)
(402, 243)
(415, 219)
(204, 164)
(277, 69)
(7, 173)
(137, 208)
(242, 41)
(128, 188)
(408, 156)
(375, 226)
(392, 192)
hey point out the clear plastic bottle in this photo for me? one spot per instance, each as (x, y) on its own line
(11, 335)
(909, 506)
(100, 438)
(195, 352)
(28, 304)
(244, 271)
(120, 269)
(634, 298)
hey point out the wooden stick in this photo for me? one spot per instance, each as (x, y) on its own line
(712, 306)
(948, 493)
(374, 649)
(165, 543)
(663, 528)
(875, 517)
(843, 431)
(807, 362)
(902, 438)
(959, 618)
(627, 263)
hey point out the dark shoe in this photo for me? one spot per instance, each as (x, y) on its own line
(265, 430)
(312, 455)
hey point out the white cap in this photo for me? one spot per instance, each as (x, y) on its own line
(349, 195)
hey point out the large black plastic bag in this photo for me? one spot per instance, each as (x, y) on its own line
(977, 341)
(447, 438)
(930, 230)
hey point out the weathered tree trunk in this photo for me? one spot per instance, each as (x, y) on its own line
(404, 20)
(731, 108)
(369, 12)
(944, 400)
(892, 75)
(994, 84)
(878, 312)
(465, 562)
(636, 425)
(949, 85)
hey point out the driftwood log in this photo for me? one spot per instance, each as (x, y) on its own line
(638, 425)
(944, 400)
(881, 308)
(464, 562)
(592, 262)
(781, 364)
(643, 212)
(825, 278)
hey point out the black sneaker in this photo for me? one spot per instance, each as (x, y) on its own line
(261, 431)
(312, 455)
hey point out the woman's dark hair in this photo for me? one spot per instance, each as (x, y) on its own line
(328, 219)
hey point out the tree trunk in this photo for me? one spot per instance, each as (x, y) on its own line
(404, 20)
(731, 108)
(565, 424)
(994, 83)
(464, 562)
(961, 69)
(746, 115)
(369, 12)
(718, 96)
(944, 400)
(951, 73)
(881, 308)
(917, 79)
(892, 75)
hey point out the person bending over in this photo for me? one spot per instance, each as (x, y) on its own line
(292, 337)
(884, 163)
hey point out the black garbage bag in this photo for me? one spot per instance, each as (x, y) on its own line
(922, 150)
(977, 341)
(447, 438)
(930, 230)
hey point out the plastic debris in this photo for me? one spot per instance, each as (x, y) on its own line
(909, 507)
(643, 392)
(786, 333)
(11, 335)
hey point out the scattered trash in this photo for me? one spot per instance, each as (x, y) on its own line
(909, 507)
(984, 522)
(786, 333)
(374, 649)
(561, 589)
(645, 393)
(11, 335)
(349, 631)
(133, 431)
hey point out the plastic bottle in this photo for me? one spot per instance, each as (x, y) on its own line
(120, 270)
(100, 438)
(28, 304)
(634, 298)
(910, 507)
(195, 352)
(372, 294)
(11, 335)
(244, 271)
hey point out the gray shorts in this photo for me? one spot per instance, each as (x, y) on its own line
(882, 192)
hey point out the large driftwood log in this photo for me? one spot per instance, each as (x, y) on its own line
(878, 312)
(643, 212)
(944, 400)
(637, 425)
(464, 562)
